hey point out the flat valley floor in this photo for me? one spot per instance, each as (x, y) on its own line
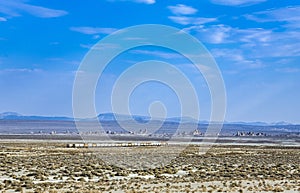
(31, 166)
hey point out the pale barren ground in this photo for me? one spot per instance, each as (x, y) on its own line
(50, 167)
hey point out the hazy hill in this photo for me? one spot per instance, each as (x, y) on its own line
(142, 119)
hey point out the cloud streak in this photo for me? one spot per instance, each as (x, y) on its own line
(288, 70)
(20, 70)
(250, 47)
(145, 1)
(2, 19)
(214, 34)
(160, 54)
(237, 2)
(93, 30)
(183, 20)
(290, 15)
(220, 34)
(137, 1)
(238, 58)
(14, 8)
(181, 9)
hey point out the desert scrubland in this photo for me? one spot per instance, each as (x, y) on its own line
(51, 167)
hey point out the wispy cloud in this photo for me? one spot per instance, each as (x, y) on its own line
(63, 61)
(181, 9)
(268, 43)
(254, 35)
(237, 2)
(215, 34)
(288, 70)
(87, 46)
(14, 8)
(100, 46)
(144, 1)
(220, 34)
(278, 49)
(249, 47)
(3, 19)
(238, 58)
(183, 20)
(160, 54)
(259, 42)
(290, 15)
(21, 70)
(138, 1)
(93, 30)
(54, 43)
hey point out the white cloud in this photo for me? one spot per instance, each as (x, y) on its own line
(183, 20)
(181, 9)
(145, 1)
(138, 1)
(160, 54)
(251, 46)
(88, 46)
(256, 35)
(100, 46)
(278, 49)
(258, 42)
(21, 70)
(42, 11)
(220, 34)
(3, 19)
(237, 57)
(237, 2)
(215, 34)
(93, 30)
(96, 36)
(293, 24)
(290, 15)
(268, 43)
(14, 8)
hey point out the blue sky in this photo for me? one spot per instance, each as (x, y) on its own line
(256, 44)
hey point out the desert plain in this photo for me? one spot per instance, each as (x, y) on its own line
(49, 166)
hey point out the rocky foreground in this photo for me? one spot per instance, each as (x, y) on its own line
(51, 167)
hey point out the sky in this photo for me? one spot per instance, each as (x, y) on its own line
(255, 43)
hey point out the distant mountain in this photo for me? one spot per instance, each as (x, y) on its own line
(281, 123)
(106, 117)
(9, 114)
(17, 116)
(248, 123)
(138, 118)
(114, 117)
(182, 120)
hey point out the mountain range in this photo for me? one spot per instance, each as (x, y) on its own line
(17, 116)
(114, 117)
